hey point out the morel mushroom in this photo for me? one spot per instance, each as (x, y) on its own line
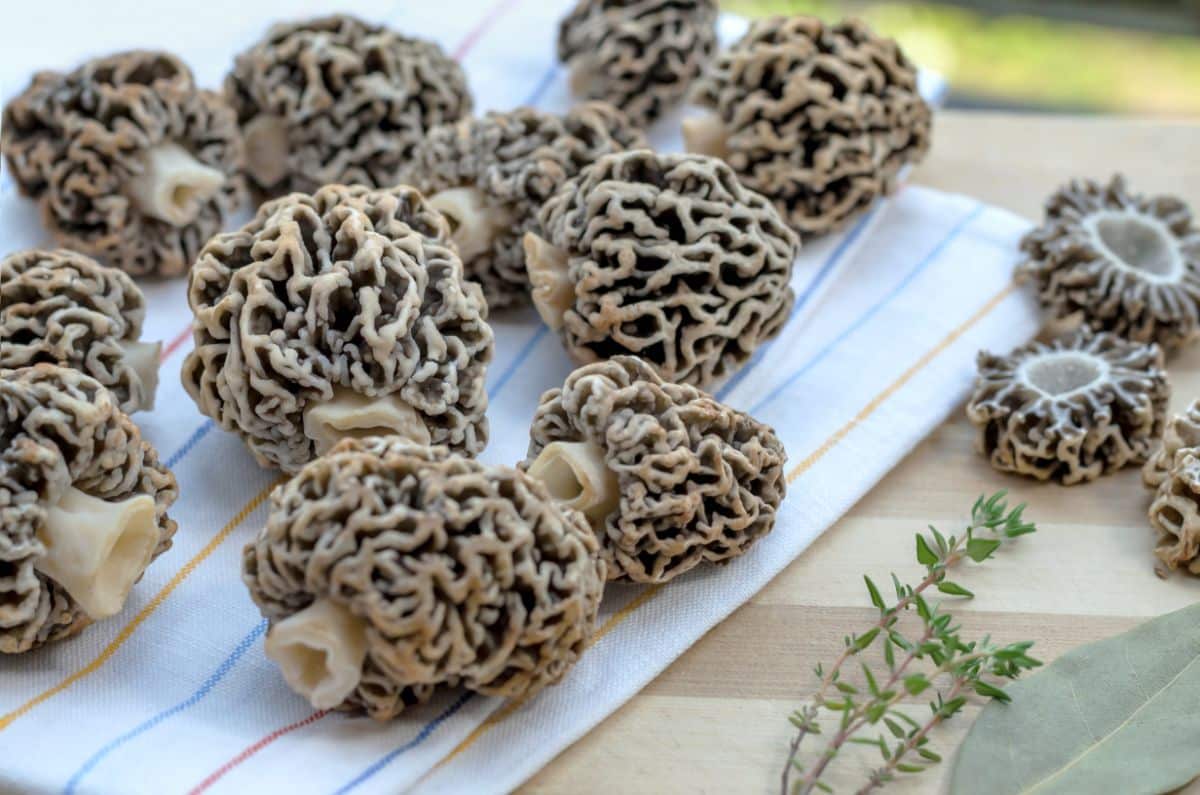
(1072, 409)
(337, 314)
(819, 118)
(490, 176)
(337, 100)
(388, 570)
(1182, 433)
(64, 308)
(667, 476)
(640, 55)
(130, 162)
(666, 257)
(1175, 513)
(1126, 263)
(83, 505)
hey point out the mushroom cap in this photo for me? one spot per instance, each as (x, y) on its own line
(60, 428)
(75, 141)
(517, 159)
(1128, 263)
(820, 118)
(466, 574)
(348, 287)
(639, 55)
(1175, 513)
(672, 260)
(1182, 433)
(699, 481)
(353, 98)
(1072, 409)
(65, 308)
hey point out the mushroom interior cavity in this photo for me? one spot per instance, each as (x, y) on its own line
(553, 291)
(1063, 373)
(706, 134)
(173, 185)
(96, 549)
(1138, 242)
(576, 474)
(320, 651)
(143, 357)
(266, 142)
(474, 221)
(350, 414)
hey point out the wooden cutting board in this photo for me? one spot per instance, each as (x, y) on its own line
(715, 721)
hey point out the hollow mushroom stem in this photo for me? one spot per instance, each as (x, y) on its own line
(352, 414)
(553, 291)
(474, 221)
(576, 473)
(173, 184)
(143, 357)
(705, 135)
(320, 652)
(96, 549)
(266, 141)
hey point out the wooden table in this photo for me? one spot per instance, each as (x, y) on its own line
(715, 720)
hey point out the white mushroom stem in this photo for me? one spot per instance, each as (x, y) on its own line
(320, 652)
(266, 141)
(143, 357)
(705, 135)
(553, 291)
(173, 185)
(474, 221)
(575, 473)
(350, 414)
(96, 549)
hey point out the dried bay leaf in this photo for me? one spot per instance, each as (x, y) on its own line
(1121, 715)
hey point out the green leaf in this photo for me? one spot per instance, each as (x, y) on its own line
(864, 640)
(871, 683)
(916, 684)
(925, 753)
(925, 555)
(876, 599)
(990, 691)
(895, 728)
(846, 687)
(980, 549)
(953, 588)
(910, 768)
(1114, 716)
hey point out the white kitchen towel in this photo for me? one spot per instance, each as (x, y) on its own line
(174, 695)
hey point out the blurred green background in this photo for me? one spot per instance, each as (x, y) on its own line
(1097, 56)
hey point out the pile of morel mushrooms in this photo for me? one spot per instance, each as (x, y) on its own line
(342, 333)
(1118, 274)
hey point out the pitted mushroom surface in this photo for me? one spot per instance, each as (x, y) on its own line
(342, 313)
(338, 100)
(1072, 409)
(64, 308)
(1182, 434)
(1126, 263)
(1175, 513)
(388, 570)
(490, 176)
(818, 118)
(129, 161)
(83, 505)
(667, 257)
(668, 477)
(639, 55)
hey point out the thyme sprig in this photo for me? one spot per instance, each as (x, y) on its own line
(953, 667)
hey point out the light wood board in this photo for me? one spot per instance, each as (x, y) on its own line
(715, 721)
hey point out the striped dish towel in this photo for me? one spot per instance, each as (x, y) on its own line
(175, 696)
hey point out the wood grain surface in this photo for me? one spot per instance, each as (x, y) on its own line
(715, 721)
